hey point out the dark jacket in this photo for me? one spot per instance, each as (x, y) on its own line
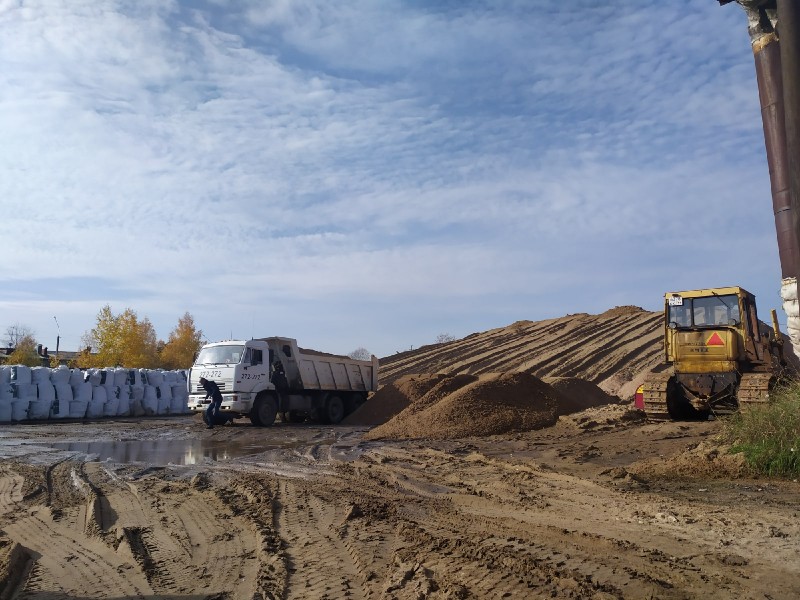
(212, 390)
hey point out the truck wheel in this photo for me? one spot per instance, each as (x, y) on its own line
(334, 410)
(264, 411)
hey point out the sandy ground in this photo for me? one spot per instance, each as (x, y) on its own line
(584, 509)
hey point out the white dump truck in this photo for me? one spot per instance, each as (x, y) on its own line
(261, 378)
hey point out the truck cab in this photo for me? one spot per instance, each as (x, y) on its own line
(240, 369)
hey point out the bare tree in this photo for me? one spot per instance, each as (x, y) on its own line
(360, 353)
(443, 338)
(16, 333)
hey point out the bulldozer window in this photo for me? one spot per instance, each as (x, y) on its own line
(707, 311)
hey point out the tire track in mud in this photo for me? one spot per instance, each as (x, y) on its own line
(520, 531)
(71, 563)
(319, 562)
(10, 491)
(182, 539)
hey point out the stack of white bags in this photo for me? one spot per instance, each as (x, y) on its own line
(40, 393)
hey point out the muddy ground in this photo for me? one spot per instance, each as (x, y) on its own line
(584, 509)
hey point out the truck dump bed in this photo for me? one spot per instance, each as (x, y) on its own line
(320, 371)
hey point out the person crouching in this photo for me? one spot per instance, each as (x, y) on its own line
(212, 391)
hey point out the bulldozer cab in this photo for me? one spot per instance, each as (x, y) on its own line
(714, 330)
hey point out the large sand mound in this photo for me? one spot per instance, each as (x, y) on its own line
(464, 405)
(614, 350)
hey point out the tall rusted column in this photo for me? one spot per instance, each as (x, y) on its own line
(766, 52)
(769, 73)
(789, 31)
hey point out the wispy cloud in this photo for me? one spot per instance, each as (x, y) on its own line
(393, 165)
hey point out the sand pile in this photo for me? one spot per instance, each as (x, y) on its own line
(578, 394)
(392, 398)
(467, 405)
(703, 460)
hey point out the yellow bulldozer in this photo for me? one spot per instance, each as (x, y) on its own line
(719, 356)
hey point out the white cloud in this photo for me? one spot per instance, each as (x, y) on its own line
(462, 162)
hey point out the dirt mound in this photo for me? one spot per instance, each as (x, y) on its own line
(703, 460)
(392, 398)
(578, 394)
(464, 406)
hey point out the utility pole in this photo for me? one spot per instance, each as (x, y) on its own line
(58, 338)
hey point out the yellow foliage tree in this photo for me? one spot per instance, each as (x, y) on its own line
(184, 342)
(121, 340)
(25, 353)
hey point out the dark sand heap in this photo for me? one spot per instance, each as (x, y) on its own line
(444, 407)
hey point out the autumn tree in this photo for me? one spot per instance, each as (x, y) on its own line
(444, 338)
(123, 340)
(25, 352)
(183, 343)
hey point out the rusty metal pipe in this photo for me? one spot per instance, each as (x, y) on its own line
(767, 56)
(789, 32)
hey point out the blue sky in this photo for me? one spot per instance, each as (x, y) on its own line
(374, 173)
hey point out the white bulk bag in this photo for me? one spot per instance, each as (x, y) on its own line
(137, 394)
(82, 391)
(93, 376)
(5, 374)
(78, 408)
(40, 375)
(150, 400)
(180, 400)
(39, 409)
(135, 378)
(76, 376)
(19, 409)
(170, 377)
(124, 397)
(97, 403)
(6, 397)
(60, 375)
(164, 394)
(60, 408)
(46, 391)
(20, 374)
(111, 406)
(155, 377)
(120, 377)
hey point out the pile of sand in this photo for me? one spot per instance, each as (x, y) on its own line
(578, 394)
(703, 460)
(391, 399)
(446, 407)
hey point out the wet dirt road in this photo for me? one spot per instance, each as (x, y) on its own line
(164, 508)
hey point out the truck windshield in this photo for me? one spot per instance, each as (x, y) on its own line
(216, 355)
(708, 311)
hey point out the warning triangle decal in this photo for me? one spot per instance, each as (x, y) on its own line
(715, 340)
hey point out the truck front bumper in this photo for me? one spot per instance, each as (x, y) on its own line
(230, 403)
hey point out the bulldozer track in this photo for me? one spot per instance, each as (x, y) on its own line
(655, 396)
(754, 388)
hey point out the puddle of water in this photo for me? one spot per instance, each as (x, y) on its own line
(164, 452)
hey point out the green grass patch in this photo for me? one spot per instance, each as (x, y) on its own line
(769, 435)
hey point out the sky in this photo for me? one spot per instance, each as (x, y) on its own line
(374, 173)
